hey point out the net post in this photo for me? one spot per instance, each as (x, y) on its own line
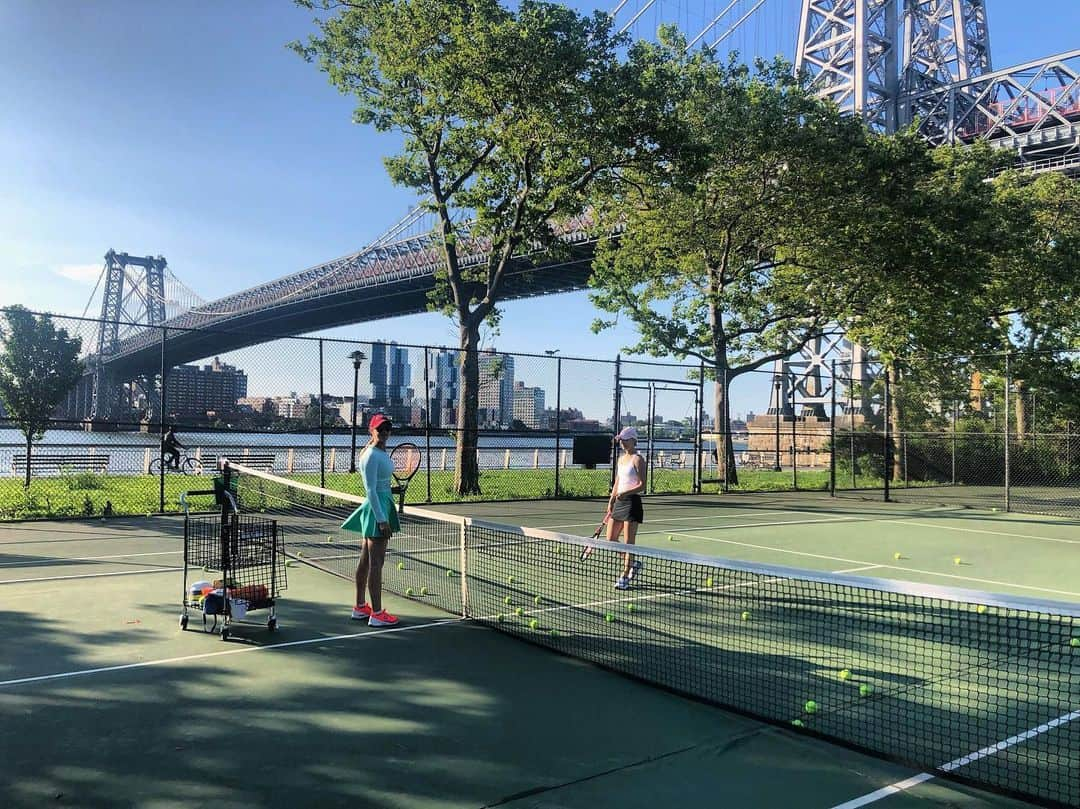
(161, 427)
(832, 434)
(1008, 384)
(464, 568)
(427, 422)
(886, 437)
(558, 420)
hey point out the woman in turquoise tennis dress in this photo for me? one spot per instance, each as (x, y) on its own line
(376, 519)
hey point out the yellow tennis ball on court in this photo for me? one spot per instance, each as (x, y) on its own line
(631, 607)
(898, 555)
(538, 600)
(746, 615)
(957, 560)
(708, 582)
(609, 617)
(670, 538)
(510, 579)
(449, 574)
(533, 624)
(508, 600)
(845, 674)
(811, 706)
(423, 591)
(797, 723)
(400, 565)
(980, 609)
(1075, 643)
(329, 539)
(408, 591)
(866, 690)
(300, 554)
(519, 611)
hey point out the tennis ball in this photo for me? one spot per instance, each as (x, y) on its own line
(400, 565)
(993, 509)
(300, 554)
(898, 555)
(508, 600)
(449, 574)
(510, 579)
(533, 624)
(746, 615)
(957, 560)
(670, 538)
(631, 607)
(845, 674)
(538, 600)
(811, 706)
(797, 723)
(865, 690)
(708, 582)
(329, 539)
(609, 617)
(554, 633)
(980, 609)
(519, 611)
(423, 591)
(1075, 643)
(408, 591)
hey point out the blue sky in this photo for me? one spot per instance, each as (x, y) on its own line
(189, 130)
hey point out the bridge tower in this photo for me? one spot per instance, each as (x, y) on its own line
(851, 50)
(134, 294)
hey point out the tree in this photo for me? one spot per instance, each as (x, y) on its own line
(38, 366)
(710, 261)
(508, 119)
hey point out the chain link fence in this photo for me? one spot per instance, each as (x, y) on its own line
(991, 433)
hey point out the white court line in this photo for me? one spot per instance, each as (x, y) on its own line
(676, 519)
(93, 575)
(857, 569)
(765, 524)
(54, 560)
(1069, 593)
(957, 763)
(984, 531)
(204, 655)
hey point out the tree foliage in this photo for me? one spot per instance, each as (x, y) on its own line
(714, 259)
(39, 364)
(509, 117)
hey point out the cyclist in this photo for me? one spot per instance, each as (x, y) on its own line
(171, 446)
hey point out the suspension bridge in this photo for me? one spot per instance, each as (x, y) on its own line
(896, 63)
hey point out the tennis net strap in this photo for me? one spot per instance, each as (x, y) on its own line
(976, 686)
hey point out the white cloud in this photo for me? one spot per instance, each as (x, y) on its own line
(82, 273)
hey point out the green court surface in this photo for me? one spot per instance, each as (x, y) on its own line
(105, 701)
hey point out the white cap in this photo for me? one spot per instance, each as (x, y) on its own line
(627, 434)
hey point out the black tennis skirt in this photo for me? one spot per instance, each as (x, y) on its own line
(629, 510)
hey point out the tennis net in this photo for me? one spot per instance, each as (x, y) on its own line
(975, 686)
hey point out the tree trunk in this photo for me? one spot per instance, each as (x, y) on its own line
(466, 468)
(896, 417)
(29, 449)
(1021, 411)
(725, 449)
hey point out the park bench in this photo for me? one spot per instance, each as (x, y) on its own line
(50, 464)
(264, 462)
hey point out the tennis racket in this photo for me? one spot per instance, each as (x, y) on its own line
(406, 460)
(586, 552)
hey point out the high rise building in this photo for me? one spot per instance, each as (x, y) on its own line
(444, 395)
(195, 391)
(391, 382)
(529, 406)
(496, 390)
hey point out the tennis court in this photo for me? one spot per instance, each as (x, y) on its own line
(106, 701)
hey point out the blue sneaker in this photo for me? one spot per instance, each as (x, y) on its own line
(635, 568)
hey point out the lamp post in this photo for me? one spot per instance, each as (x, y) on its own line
(779, 409)
(357, 358)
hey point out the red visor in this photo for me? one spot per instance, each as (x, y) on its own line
(378, 420)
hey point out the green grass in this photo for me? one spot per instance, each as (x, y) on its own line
(86, 494)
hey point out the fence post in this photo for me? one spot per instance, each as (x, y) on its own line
(956, 418)
(615, 419)
(729, 450)
(427, 422)
(887, 439)
(832, 434)
(322, 425)
(558, 421)
(794, 439)
(1008, 384)
(903, 456)
(161, 426)
(698, 425)
(851, 425)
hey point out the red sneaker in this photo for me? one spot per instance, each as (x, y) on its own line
(361, 612)
(382, 619)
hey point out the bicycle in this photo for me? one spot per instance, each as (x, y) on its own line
(189, 465)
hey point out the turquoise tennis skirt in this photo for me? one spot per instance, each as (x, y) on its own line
(362, 521)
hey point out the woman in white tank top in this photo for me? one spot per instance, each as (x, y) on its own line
(624, 505)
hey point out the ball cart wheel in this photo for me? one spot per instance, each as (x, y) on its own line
(183, 621)
(271, 624)
(224, 634)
